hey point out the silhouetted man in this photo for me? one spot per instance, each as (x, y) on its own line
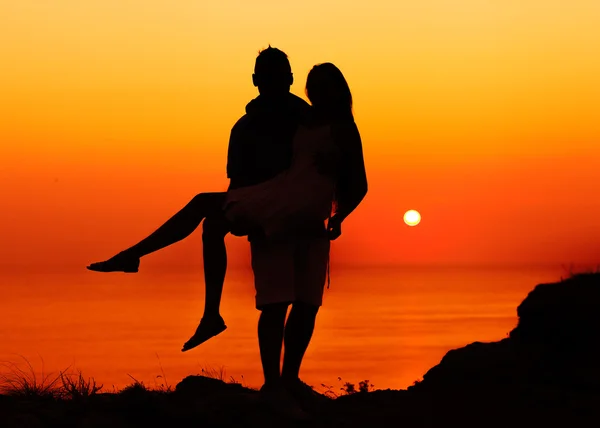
(286, 271)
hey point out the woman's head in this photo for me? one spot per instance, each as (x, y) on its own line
(328, 91)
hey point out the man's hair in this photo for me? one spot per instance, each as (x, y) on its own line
(271, 60)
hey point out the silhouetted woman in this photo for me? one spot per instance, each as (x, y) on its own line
(327, 166)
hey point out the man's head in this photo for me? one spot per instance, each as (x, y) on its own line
(272, 72)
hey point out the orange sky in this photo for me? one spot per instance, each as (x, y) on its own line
(480, 114)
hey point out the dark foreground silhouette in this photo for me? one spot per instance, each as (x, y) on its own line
(545, 374)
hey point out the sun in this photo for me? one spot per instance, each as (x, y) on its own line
(412, 217)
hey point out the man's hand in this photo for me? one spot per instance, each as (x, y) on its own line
(327, 163)
(334, 228)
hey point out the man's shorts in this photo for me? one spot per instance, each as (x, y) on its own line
(290, 270)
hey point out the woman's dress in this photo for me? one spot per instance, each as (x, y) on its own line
(300, 195)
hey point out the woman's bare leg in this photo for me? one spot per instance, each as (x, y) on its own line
(206, 206)
(178, 227)
(181, 225)
(215, 228)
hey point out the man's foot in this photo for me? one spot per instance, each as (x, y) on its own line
(209, 327)
(309, 399)
(280, 401)
(118, 263)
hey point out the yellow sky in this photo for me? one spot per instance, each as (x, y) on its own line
(145, 92)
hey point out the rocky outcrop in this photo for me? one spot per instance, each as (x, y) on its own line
(556, 344)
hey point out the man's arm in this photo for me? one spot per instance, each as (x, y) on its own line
(236, 170)
(352, 181)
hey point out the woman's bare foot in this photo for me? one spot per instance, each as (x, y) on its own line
(209, 327)
(118, 263)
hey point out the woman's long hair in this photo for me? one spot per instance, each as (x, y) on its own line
(331, 99)
(328, 91)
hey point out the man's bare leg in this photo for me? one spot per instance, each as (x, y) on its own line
(270, 340)
(299, 329)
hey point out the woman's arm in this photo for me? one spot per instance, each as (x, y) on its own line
(352, 180)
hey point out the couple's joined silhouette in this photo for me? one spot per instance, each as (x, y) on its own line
(296, 172)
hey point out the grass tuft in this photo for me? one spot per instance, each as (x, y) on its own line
(77, 387)
(25, 382)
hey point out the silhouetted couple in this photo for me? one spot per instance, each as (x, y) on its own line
(296, 172)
